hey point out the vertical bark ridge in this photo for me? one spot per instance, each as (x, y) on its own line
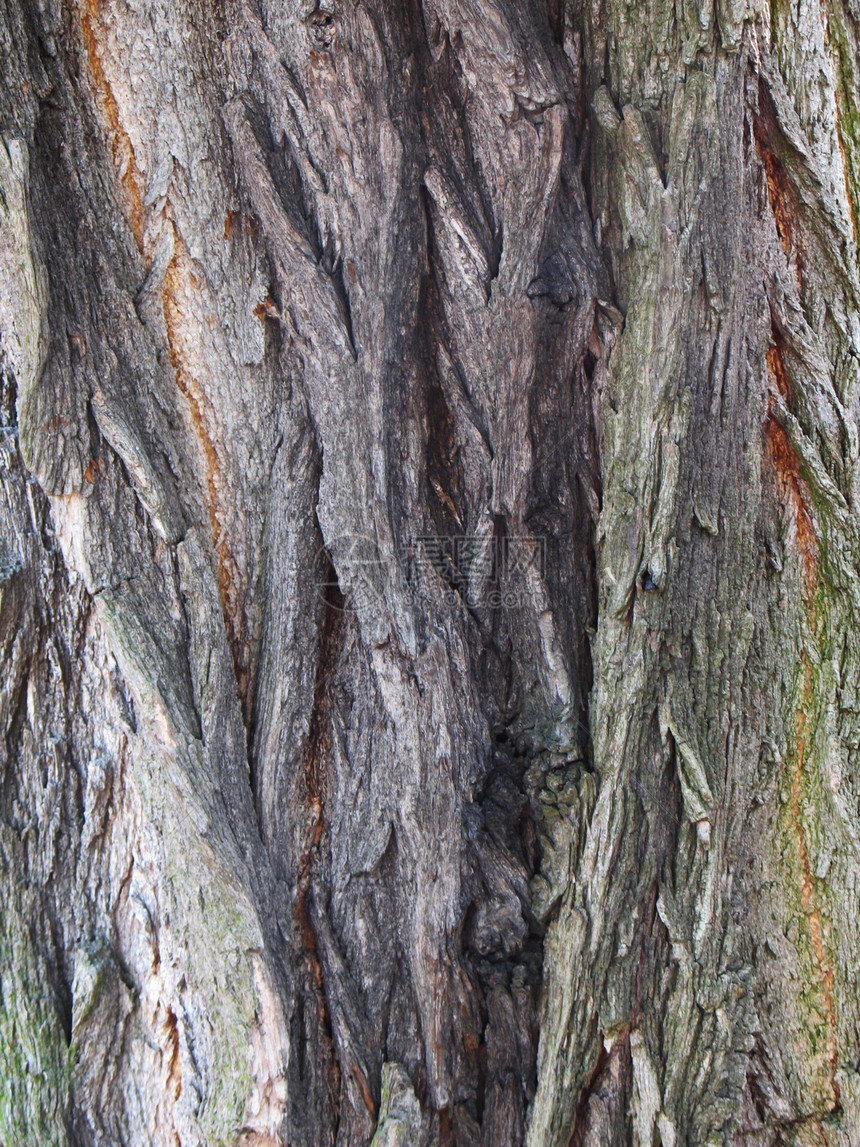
(642, 115)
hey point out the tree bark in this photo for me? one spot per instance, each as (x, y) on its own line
(429, 570)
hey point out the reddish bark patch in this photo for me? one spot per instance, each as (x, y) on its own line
(776, 367)
(786, 463)
(230, 223)
(780, 189)
(229, 579)
(265, 310)
(778, 196)
(788, 468)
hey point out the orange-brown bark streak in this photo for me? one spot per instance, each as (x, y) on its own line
(174, 1070)
(121, 145)
(787, 465)
(781, 192)
(177, 280)
(778, 194)
(785, 462)
(776, 366)
(846, 173)
(364, 1090)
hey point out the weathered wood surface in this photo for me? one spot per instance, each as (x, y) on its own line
(312, 841)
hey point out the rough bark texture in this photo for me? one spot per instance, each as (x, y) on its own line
(316, 833)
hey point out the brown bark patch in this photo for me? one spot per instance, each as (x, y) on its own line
(364, 1089)
(255, 1139)
(174, 1067)
(318, 744)
(95, 469)
(265, 310)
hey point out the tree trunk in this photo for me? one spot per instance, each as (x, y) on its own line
(428, 573)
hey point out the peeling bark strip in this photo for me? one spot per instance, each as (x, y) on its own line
(305, 837)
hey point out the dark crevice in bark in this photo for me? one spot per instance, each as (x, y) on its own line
(338, 278)
(8, 397)
(286, 178)
(589, 1125)
(556, 16)
(311, 980)
(318, 742)
(16, 721)
(351, 1032)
